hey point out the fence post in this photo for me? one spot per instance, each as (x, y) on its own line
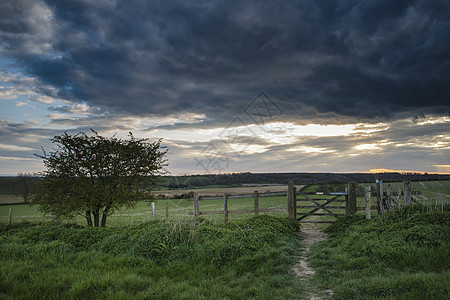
(167, 211)
(399, 194)
(153, 211)
(407, 191)
(225, 208)
(196, 206)
(378, 197)
(10, 216)
(291, 202)
(389, 196)
(256, 202)
(351, 205)
(368, 198)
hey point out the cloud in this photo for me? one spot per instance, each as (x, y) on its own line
(351, 59)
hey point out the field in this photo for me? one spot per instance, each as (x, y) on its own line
(155, 260)
(178, 209)
(401, 255)
(432, 194)
(220, 191)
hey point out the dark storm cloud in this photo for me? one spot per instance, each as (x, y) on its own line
(351, 59)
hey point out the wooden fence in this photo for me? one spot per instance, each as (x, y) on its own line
(321, 203)
(226, 212)
(318, 203)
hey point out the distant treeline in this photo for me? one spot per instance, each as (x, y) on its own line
(12, 184)
(236, 179)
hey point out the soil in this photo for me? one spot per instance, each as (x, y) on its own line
(311, 236)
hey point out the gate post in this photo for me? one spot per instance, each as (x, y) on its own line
(351, 199)
(291, 201)
(407, 192)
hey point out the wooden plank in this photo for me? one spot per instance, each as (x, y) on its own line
(330, 207)
(323, 193)
(321, 199)
(320, 214)
(320, 206)
(273, 210)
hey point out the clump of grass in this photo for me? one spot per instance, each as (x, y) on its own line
(180, 259)
(401, 255)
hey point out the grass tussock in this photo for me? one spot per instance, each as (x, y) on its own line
(157, 260)
(401, 255)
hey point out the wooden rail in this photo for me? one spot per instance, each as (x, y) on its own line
(226, 212)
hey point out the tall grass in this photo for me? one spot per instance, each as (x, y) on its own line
(181, 259)
(401, 255)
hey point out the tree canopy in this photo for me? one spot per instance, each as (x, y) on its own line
(92, 175)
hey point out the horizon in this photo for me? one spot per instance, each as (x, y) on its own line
(301, 86)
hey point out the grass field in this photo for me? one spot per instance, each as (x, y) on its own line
(220, 191)
(178, 209)
(401, 255)
(431, 193)
(156, 260)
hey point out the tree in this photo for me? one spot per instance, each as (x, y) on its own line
(93, 175)
(26, 184)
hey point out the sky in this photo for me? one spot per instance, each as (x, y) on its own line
(232, 86)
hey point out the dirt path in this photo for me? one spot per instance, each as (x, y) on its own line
(311, 236)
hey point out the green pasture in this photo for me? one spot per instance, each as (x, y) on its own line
(433, 194)
(178, 209)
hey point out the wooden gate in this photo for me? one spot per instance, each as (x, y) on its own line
(303, 205)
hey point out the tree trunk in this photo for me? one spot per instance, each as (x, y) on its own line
(105, 215)
(104, 220)
(88, 218)
(96, 218)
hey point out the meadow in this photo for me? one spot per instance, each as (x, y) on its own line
(400, 255)
(431, 194)
(178, 209)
